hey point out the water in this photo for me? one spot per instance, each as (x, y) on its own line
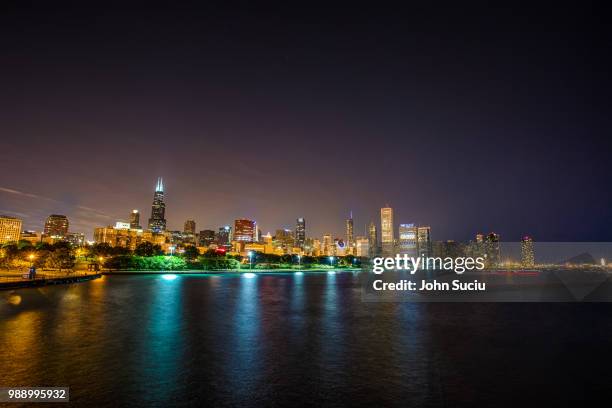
(289, 340)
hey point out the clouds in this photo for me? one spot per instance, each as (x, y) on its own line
(35, 208)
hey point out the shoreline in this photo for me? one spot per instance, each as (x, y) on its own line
(224, 271)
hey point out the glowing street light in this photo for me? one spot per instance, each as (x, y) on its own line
(299, 260)
(172, 248)
(331, 260)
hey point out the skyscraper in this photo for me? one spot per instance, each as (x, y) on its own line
(328, 248)
(10, 229)
(372, 239)
(244, 230)
(387, 237)
(408, 239)
(424, 246)
(350, 238)
(224, 237)
(527, 255)
(492, 250)
(135, 220)
(206, 237)
(189, 227)
(300, 232)
(157, 222)
(56, 226)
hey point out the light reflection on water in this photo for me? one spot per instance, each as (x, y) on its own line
(283, 339)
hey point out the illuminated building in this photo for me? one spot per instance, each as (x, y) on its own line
(362, 247)
(224, 237)
(350, 238)
(10, 229)
(135, 220)
(424, 241)
(492, 250)
(244, 230)
(157, 222)
(387, 237)
(31, 236)
(284, 239)
(449, 248)
(76, 238)
(300, 232)
(373, 239)
(327, 246)
(340, 248)
(527, 254)
(408, 239)
(56, 226)
(206, 238)
(190, 227)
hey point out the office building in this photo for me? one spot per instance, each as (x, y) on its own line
(527, 253)
(408, 239)
(245, 230)
(424, 247)
(56, 226)
(372, 239)
(206, 238)
(135, 220)
(10, 229)
(387, 237)
(300, 232)
(157, 222)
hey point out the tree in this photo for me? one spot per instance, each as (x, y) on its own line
(191, 253)
(144, 249)
(60, 259)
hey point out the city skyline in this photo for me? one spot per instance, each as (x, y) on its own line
(157, 223)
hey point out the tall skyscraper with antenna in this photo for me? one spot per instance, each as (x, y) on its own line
(157, 222)
(350, 237)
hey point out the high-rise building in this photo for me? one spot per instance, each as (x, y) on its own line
(206, 238)
(190, 227)
(408, 239)
(350, 238)
(492, 250)
(387, 238)
(300, 232)
(157, 222)
(284, 238)
(362, 247)
(245, 230)
(328, 247)
(224, 236)
(372, 239)
(424, 247)
(135, 220)
(10, 229)
(56, 226)
(527, 254)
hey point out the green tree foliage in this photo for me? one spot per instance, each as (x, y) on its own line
(61, 258)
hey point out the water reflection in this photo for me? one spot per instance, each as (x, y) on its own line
(161, 348)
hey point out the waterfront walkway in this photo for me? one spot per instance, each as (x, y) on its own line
(16, 279)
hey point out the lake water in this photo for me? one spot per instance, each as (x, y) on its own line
(296, 340)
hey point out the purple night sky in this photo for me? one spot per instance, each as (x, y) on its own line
(461, 119)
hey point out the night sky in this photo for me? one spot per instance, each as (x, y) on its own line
(463, 119)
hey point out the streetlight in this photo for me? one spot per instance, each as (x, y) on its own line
(250, 259)
(299, 260)
(331, 261)
(172, 248)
